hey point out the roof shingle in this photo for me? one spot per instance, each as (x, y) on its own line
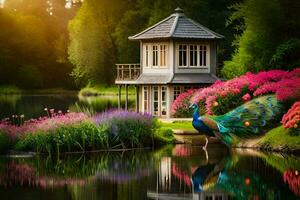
(177, 25)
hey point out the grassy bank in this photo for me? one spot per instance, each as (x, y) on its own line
(13, 90)
(104, 90)
(10, 90)
(278, 139)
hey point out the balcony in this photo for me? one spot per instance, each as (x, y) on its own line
(128, 72)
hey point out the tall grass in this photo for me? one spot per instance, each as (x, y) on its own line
(108, 130)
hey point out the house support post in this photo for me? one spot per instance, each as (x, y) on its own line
(126, 97)
(119, 97)
(136, 98)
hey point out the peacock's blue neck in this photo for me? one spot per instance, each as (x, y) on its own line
(196, 114)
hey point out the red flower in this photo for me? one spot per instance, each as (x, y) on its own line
(246, 97)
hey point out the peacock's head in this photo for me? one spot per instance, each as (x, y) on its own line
(194, 106)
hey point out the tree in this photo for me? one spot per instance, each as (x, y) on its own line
(92, 48)
(267, 27)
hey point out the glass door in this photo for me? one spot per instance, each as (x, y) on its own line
(146, 99)
(155, 101)
(163, 102)
(159, 98)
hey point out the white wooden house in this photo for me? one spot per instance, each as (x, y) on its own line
(177, 53)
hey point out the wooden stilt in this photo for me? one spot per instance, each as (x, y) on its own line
(126, 97)
(119, 97)
(137, 98)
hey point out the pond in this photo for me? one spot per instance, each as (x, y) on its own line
(173, 172)
(32, 106)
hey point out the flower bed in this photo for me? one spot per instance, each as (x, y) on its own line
(80, 132)
(222, 97)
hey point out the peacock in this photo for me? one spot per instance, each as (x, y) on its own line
(245, 121)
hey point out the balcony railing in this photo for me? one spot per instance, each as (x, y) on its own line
(128, 72)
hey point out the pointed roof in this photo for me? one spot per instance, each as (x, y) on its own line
(177, 25)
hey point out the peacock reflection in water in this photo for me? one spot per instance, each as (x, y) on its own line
(240, 175)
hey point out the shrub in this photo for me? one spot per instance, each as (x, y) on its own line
(180, 107)
(129, 129)
(164, 136)
(14, 127)
(108, 130)
(291, 120)
(222, 97)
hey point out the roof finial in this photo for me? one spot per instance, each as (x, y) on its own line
(178, 10)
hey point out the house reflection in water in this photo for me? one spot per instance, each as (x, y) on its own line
(164, 174)
(172, 182)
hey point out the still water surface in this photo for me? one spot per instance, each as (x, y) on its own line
(32, 106)
(173, 172)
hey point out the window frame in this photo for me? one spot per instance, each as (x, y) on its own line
(175, 91)
(153, 51)
(188, 65)
(181, 56)
(147, 56)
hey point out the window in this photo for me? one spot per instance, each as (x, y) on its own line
(163, 101)
(147, 56)
(155, 101)
(163, 55)
(155, 55)
(146, 98)
(182, 55)
(193, 55)
(203, 55)
(177, 91)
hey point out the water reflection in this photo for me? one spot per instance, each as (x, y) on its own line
(174, 172)
(32, 106)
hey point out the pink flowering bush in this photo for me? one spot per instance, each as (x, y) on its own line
(44, 124)
(180, 107)
(221, 97)
(291, 120)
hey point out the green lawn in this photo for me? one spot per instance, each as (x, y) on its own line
(279, 138)
(179, 125)
(104, 90)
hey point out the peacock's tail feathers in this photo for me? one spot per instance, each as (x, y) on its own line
(248, 119)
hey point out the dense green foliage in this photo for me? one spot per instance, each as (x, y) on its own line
(33, 44)
(269, 36)
(99, 32)
(44, 42)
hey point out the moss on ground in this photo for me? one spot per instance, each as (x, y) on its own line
(278, 139)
